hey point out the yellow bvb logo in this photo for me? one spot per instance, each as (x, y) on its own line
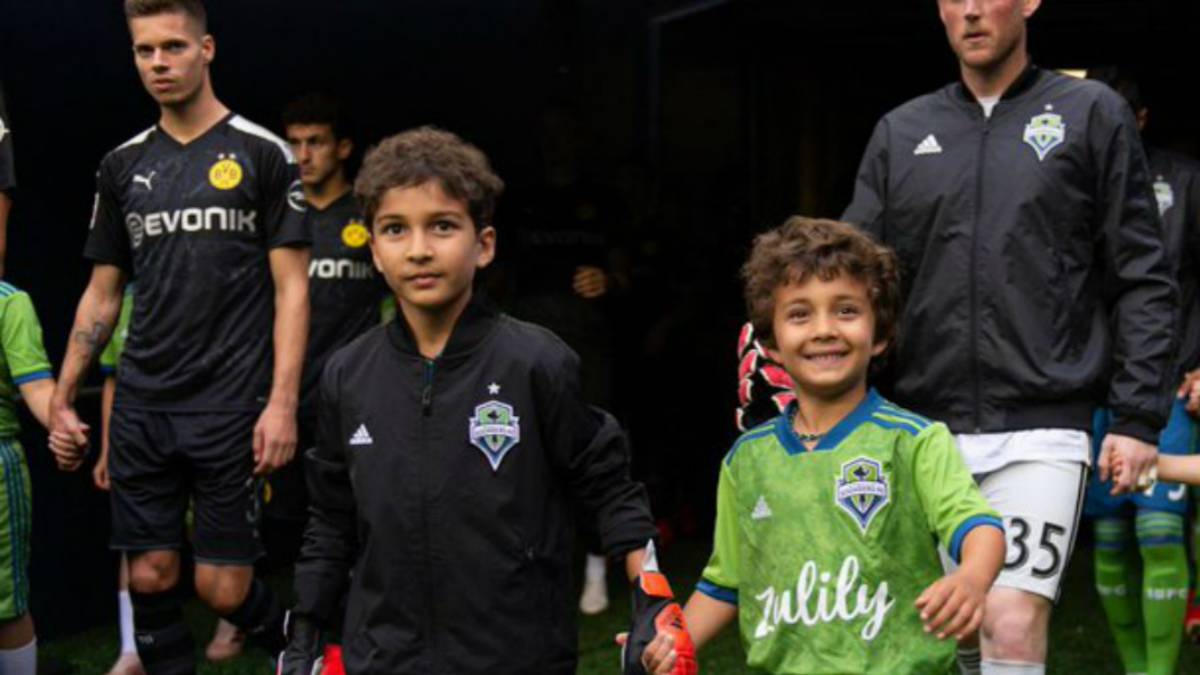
(355, 234)
(226, 174)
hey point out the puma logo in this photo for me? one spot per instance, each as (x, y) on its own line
(145, 180)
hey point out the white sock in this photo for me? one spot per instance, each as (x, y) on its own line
(597, 568)
(969, 661)
(19, 661)
(990, 667)
(125, 607)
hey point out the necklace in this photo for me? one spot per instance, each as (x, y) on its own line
(809, 438)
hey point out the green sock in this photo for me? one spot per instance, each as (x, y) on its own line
(1119, 587)
(1164, 587)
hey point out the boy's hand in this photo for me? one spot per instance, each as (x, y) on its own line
(1139, 458)
(589, 282)
(952, 606)
(658, 642)
(1190, 390)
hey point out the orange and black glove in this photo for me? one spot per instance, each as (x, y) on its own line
(655, 611)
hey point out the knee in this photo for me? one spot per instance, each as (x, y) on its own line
(222, 589)
(154, 572)
(1015, 631)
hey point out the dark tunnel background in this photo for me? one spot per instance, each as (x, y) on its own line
(712, 119)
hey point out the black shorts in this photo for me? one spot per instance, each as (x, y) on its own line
(159, 461)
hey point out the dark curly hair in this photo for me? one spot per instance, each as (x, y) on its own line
(802, 247)
(425, 154)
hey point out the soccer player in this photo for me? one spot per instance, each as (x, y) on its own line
(25, 373)
(205, 209)
(452, 444)
(1018, 202)
(8, 179)
(344, 290)
(1146, 600)
(828, 515)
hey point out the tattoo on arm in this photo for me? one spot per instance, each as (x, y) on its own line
(93, 340)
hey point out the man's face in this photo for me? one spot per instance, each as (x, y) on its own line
(984, 33)
(427, 247)
(319, 154)
(172, 56)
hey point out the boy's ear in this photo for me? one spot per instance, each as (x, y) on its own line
(486, 240)
(879, 347)
(345, 146)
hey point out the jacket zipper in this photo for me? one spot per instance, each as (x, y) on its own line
(426, 413)
(974, 298)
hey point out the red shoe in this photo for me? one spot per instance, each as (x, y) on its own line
(1191, 621)
(333, 661)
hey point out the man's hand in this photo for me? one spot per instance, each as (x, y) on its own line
(589, 282)
(100, 471)
(68, 437)
(274, 438)
(1136, 457)
(953, 605)
(1190, 389)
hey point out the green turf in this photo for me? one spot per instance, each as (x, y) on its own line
(1079, 640)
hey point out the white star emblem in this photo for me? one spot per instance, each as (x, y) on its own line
(1049, 107)
(493, 389)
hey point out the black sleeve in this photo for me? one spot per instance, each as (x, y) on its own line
(589, 449)
(1143, 294)
(8, 174)
(330, 539)
(108, 238)
(869, 203)
(283, 200)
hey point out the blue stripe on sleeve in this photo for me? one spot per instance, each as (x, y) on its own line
(32, 377)
(726, 595)
(955, 547)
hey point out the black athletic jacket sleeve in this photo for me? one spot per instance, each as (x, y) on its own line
(330, 538)
(870, 185)
(1140, 281)
(590, 450)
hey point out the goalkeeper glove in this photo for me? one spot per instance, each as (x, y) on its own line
(655, 611)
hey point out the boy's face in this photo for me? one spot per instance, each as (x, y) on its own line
(426, 245)
(825, 334)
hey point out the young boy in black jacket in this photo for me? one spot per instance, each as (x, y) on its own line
(451, 443)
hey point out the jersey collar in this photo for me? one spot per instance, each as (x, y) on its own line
(1022, 84)
(861, 413)
(473, 326)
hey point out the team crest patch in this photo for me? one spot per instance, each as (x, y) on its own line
(355, 234)
(226, 174)
(862, 490)
(495, 429)
(1045, 132)
(1164, 195)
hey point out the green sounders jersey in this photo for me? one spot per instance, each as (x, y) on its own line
(22, 355)
(112, 351)
(824, 552)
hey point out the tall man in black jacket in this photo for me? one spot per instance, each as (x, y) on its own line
(1037, 288)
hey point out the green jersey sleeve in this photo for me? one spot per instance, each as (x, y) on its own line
(720, 577)
(112, 351)
(949, 497)
(21, 338)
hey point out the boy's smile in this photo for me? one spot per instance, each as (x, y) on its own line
(825, 335)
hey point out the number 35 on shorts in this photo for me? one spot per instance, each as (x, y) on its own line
(1036, 547)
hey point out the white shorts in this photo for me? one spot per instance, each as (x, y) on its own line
(1040, 503)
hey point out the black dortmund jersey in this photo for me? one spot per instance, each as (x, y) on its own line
(193, 224)
(343, 288)
(8, 177)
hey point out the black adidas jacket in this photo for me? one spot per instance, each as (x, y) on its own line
(1176, 182)
(1018, 237)
(448, 486)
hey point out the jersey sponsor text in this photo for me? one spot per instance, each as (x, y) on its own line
(340, 268)
(829, 604)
